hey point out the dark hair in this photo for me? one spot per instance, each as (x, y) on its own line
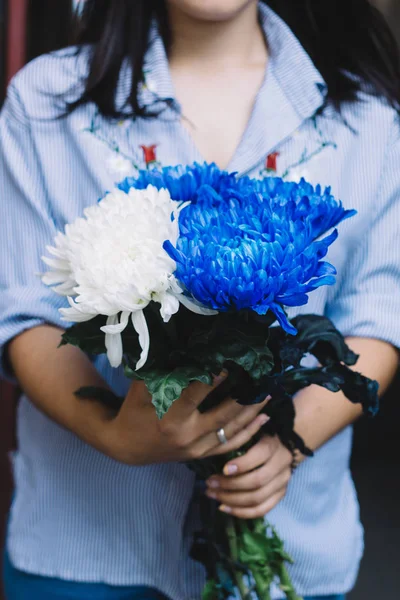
(349, 41)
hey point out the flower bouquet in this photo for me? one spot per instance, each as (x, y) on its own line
(181, 273)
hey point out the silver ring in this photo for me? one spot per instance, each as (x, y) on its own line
(221, 436)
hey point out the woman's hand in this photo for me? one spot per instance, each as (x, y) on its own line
(253, 484)
(137, 437)
(320, 415)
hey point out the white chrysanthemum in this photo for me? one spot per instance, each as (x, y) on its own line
(112, 263)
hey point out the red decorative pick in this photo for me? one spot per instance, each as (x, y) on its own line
(149, 153)
(271, 162)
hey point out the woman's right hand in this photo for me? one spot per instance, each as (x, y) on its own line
(137, 437)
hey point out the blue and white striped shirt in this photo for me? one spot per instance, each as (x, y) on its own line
(77, 514)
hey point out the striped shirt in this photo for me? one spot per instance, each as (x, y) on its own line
(77, 514)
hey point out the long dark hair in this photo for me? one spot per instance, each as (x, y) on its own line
(349, 41)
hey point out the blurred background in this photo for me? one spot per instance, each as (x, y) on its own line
(29, 28)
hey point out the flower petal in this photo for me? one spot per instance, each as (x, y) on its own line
(113, 326)
(173, 252)
(65, 289)
(282, 318)
(60, 264)
(196, 307)
(106, 269)
(140, 325)
(76, 314)
(53, 277)
(113, 343)
(169, 306)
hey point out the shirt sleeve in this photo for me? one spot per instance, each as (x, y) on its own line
(367, 302)
(26, 227)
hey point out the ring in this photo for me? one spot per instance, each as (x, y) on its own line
(221, 436)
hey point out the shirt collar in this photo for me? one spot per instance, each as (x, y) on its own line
(292, 92)
(158, 86)
(301, 82)
(296, 74)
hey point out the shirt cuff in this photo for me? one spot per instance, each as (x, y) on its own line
(23, 308)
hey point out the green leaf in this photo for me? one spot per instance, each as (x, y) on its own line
(254, 548)
(261, 546)
(259, 526)
(211, 591)
(166, 387)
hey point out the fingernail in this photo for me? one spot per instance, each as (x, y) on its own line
(225, 509)
(230, 469)
(263, 419)
(213, 483)
(220, 378)
(211, 495)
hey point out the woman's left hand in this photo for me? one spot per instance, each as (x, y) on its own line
(254, 483)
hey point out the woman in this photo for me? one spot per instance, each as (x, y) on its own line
(103, 509)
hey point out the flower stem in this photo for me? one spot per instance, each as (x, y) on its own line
(233, 547)
(261, 590)
(287, 586)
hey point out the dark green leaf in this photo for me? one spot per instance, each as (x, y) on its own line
(86, 336)
(166, 387)
(284, 349)
(206, 467)
(204, 335)
(356, 387)
(297, 379)
(229, 337)
(318, 336)
(238, 385)
(225, 580)
(281, 411)
(106, 397)
(253, 356)
(360, 389)
(131, 373)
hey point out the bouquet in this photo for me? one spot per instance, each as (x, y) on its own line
(181, 273)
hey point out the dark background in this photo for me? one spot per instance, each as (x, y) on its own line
(29, 28)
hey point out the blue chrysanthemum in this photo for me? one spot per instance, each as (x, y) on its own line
(183, 183)
(249, 244)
